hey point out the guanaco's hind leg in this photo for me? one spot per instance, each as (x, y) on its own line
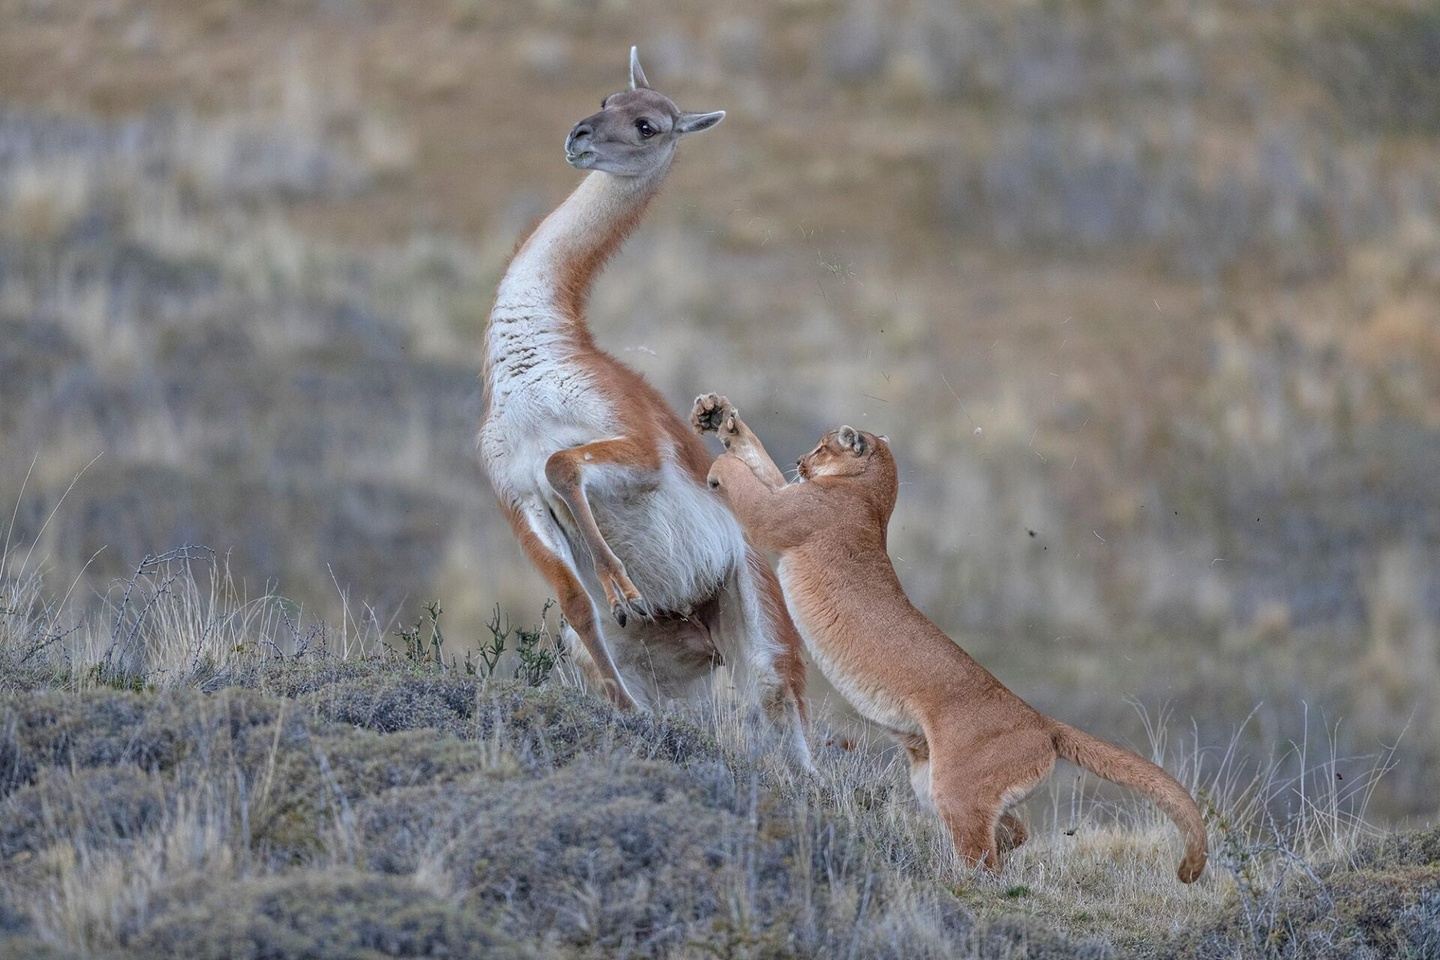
(565, 470)
(773, 649)
(575, 605)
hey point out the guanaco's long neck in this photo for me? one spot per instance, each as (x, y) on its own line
(542, 295)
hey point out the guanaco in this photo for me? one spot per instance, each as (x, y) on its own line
(975, 748)
(602, 482)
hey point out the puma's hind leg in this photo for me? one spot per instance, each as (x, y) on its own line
(975, 783)
(971, 825)
(918, 751)
(967, 826)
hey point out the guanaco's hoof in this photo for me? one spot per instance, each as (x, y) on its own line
(623, 610)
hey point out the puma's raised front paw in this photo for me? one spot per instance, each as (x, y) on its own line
(715, 413)
(710, 412)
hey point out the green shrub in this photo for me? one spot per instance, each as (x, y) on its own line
(1017, 938)
(102, 728)
(1419, 927)
(17, 939)
(29, 948)
(291, 678)
(554, 725)
(12, 919)
(1382, 66)
(619, 856)
(1413, 848)
(544, 813)
(107, 728)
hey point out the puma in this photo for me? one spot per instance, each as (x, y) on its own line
(976, 749)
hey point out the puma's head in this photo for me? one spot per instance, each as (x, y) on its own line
(855, 457)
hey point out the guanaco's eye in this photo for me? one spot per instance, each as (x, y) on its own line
(646, 128)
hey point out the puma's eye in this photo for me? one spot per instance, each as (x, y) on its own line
(646, 128)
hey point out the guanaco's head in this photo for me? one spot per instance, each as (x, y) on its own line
(855, 458)
(635, 131)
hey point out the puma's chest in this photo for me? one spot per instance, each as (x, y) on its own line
(841, 647)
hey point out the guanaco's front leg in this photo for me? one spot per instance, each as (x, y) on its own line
(712, 412)
(566, 470)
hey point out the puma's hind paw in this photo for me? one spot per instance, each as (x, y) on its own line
(715, 413)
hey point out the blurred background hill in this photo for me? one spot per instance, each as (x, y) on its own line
(1146, 295)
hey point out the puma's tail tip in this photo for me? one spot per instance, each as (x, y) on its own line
(1191, 867)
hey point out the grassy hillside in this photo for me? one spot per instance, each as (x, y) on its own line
(375, 809)
(1148, 302)
(207, 777)
(1147, 297)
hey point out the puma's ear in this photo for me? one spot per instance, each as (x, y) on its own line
(851, 439)
(695, 122)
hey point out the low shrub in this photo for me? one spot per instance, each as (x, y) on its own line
(311, 915)
(85, 807)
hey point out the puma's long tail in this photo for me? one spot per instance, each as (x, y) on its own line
(1131, 770)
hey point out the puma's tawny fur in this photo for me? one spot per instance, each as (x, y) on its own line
(975, 748)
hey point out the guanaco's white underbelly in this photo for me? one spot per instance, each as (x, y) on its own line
(871, 702)
(676, 538)
(677, 541)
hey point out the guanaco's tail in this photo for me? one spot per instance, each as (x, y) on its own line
(1131, 770)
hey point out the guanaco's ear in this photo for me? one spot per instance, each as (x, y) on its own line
(695, 122)
(851, 439)
(637, 76)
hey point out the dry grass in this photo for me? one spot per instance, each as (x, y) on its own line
(353, 799)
